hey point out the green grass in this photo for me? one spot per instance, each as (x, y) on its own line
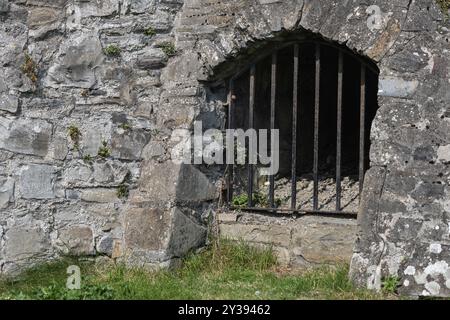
(225, 271)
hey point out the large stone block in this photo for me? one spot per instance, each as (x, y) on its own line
(129, 144)
(142, 6)
(186, 234)
(170, 181)
(257, 233)
(37, 182)
(147, 229)
(324, 240)
(77, 62)
(9, 103)
(77, 240)
(6, 192)
(43, 20)
(24, 242)
(100, 195)
(25, 136)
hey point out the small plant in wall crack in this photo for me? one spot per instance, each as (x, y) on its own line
(112, 50)
(104, 151)
(29, 68)
(150, 32)
(74, 134)
(88, 159)
(390, 284)
(123, 191)
(168, 48)
(125, 126)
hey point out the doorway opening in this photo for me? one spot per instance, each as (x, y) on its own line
(322, 98)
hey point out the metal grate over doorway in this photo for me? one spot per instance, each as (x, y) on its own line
(322, 97)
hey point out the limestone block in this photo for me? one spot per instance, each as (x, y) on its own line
(397, 87)
(6, 191)
(37, 182)
(77, 240)
(77, 62)
(24, 242)
(100, 195)
(257, 233)
(25, 136)
(9, 103)
(106, 245)
(43, 20)
(147, 228)
(151, 59)
(186, 234)
(170, 181)
(142, 6)
(323, 239)
(128, 144)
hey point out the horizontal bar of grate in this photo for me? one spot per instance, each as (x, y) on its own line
(339, 214)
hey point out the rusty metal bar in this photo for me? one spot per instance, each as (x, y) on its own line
(273, 92)
(316, 130)
(294, 130)
(287, 211)
(230, 167)
(339, 131)
(251, 108)
(362, 118)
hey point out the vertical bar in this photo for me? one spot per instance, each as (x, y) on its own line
(251, 108)
(294, 131)
(272, 123)
(362, 123)
(339, 131)
(230, 126)
(316, 130)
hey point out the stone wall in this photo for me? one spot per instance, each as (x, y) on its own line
(92, 90)
(298, 242)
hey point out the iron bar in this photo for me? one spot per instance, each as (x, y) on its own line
(362, 118)
(316, 129)
(272, 123)
(251, 108)
(340, 214)
(339, 131)
(294, 130)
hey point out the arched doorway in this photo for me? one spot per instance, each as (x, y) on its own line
(322, 98)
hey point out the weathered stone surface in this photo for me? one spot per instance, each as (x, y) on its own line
(153, 149)
(100, 195)
(6, 191)
(77, 240)
(105, 173)
(4, 6)
(106, 245)
(128, 144)
(142, 6)
(25, 136)
(186, 234)
(77, 61)
(43, 20)
(37, 182)
(322, 240)
(147, 229)
(394, 87)
(152, 59)
(24, 243)
(299, 242)
(173, 181)
(9, 103)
